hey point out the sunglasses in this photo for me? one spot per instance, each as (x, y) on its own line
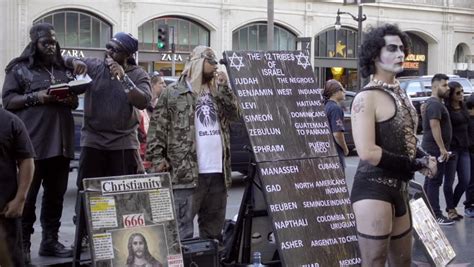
(459, 92)
(211, 61)
(113, 49)
(47, 43)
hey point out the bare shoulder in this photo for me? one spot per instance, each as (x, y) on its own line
(362, 101)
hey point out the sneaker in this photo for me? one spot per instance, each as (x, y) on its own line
(469, 212)
(454, 215)
(441, 220)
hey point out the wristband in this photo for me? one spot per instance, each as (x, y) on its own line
(421, 153)
(127, 84)
(397, 163)
(32, 100)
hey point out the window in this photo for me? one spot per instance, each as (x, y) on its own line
(187, 34)
(254, 37)
(338, 44)
(79, 29)
(413, 88)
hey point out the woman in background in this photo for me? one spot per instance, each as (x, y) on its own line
(460, 160)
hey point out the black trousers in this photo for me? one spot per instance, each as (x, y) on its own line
(53, 174)
(12, 237)
(100, 163)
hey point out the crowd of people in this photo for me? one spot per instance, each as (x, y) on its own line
(133, 124)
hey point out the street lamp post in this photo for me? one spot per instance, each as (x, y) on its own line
(360, 18)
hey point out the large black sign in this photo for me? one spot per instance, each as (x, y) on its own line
(281, 105)
(303, 181)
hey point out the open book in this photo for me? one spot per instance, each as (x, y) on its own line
(62, 90)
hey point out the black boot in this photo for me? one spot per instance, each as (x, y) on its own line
(26, 252)
(26, 244)
(50, 246)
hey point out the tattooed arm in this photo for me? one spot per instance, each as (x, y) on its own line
(363, 127)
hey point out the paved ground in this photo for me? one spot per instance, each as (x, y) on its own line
(459, 235)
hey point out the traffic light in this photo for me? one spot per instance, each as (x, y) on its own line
(163, 37)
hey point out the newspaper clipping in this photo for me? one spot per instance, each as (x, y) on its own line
(131, 220)
(430, 234)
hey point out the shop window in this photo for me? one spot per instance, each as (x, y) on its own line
(187, 34)
(78, 29)
(336, 44)
(254, 37)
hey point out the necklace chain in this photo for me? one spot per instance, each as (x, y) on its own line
(386, 85)
(51, 74)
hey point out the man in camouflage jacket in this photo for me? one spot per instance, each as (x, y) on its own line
(189, 136)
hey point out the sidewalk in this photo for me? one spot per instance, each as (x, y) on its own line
(460, 235)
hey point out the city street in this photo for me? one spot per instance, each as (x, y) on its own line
(459, 234)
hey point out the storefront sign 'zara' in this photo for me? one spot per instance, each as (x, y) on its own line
(72, 53)
(168, 57)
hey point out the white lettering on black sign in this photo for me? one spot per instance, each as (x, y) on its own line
(326, 203)
(283, 206)
(244, 81)
(273, 188)
(248, 105)
(255, 92)
(264, 131)
(258, 117)
(268, 148)
(308, 103)
(310, 91)
(292, 244)
(291, 224)
(279, 170)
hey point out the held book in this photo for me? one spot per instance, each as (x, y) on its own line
(62, 90)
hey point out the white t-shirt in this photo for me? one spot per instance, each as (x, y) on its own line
(208, 135)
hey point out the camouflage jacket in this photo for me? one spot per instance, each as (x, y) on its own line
(172, 136)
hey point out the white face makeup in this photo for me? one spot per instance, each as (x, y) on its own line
(391, 55)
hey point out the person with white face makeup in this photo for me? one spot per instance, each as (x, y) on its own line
(384, 128)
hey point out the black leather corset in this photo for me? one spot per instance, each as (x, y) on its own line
(396, 135)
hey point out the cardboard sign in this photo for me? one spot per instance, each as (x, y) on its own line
(304, 185)
(132, 216)
(436, 245)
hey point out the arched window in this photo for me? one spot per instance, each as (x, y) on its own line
(187, 34)
(461, 54)
(78, 29)
(339, 44)
(416, 61)
(254, 37)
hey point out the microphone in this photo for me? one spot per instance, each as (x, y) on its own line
(222, 61)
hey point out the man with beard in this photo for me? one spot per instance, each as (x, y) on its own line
(437, 132)
(51, 128)
(138, 253)
(109, 134)
(189, 136)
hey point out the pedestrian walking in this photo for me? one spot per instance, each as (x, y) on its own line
(460, 161)
(189, 136)
(334, 93)
(384, 130)
(51, 128)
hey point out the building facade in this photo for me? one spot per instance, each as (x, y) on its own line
(442, 31)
